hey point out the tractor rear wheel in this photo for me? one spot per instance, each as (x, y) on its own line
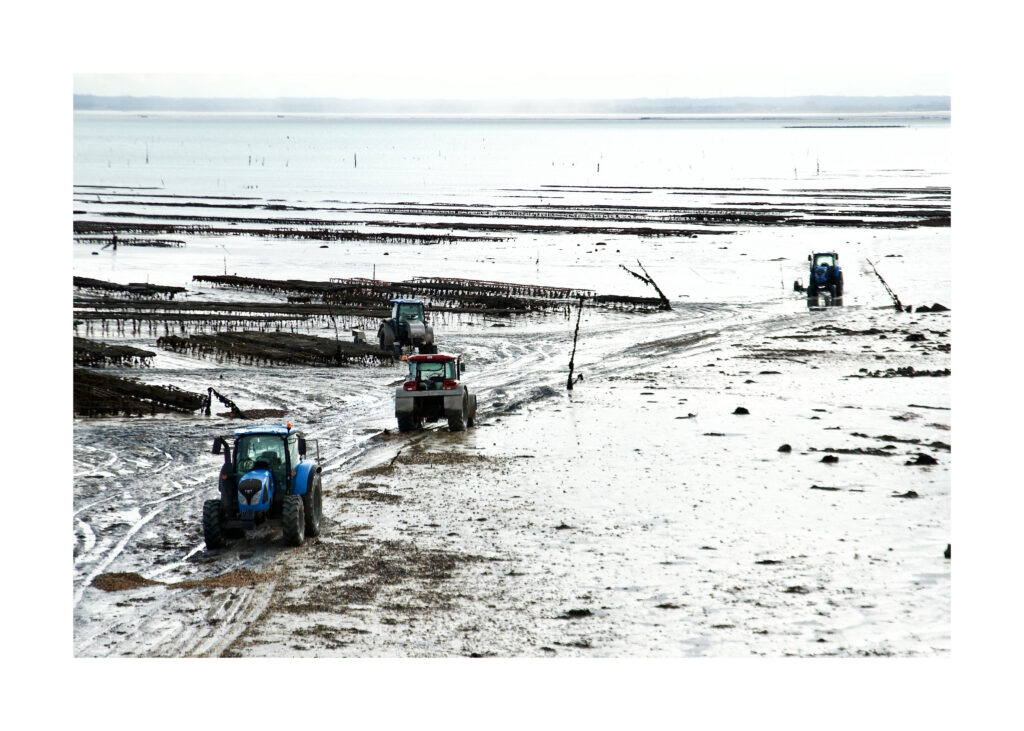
(406, 423)
(312, 506)
(458, 421)
(213, 532)
(293, 520)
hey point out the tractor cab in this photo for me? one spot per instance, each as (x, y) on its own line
(269, 455)
(407, 311)
(273, 452)
(826, 259)
(433, 372)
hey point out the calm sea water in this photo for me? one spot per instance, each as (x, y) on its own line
(342, 158)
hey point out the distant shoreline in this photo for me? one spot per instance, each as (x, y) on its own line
(857, 119)
(418, 108)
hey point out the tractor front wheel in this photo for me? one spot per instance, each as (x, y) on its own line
(312, 506)
(213, 525)
(293, 520)
(386, 337)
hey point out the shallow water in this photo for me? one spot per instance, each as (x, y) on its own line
(342, 158)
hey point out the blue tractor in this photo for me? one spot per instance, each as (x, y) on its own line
(266, 478)
(826, 276)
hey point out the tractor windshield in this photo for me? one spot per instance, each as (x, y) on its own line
(406, 311)
(438, 371)
(824, 260)
(266, 448)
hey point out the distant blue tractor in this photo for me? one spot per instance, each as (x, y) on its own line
(826, 276)
(265, 479)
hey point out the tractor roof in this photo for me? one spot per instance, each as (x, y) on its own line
(265, 429)
(406, 302)
(432, 358)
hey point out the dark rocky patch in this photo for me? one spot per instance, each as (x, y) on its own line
(575, 614)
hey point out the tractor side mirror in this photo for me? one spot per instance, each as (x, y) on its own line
(808, 257)
(218, 442)
(302, 447)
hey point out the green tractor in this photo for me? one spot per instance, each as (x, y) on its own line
(406, 328)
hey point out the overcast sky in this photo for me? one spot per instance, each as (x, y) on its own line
(530, 49)
(463, 84)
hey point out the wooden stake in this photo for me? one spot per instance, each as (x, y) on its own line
(575, 337)
(895, 300)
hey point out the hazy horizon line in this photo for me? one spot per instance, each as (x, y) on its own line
(806, 103)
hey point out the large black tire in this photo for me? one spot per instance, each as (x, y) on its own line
(428, 349)
(293, 520)
(839, 285)
(407, 423)
(213, 524)
(312, 507)
(457, 422)
(386, 337)
(471, 419)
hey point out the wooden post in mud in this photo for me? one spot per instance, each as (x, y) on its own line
(646, 279)
(235, 411)
(337, 338)
(575, 337)
(895, 300)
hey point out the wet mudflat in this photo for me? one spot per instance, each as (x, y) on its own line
(650, 512)
(641, 515)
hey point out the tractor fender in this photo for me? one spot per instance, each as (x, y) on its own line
(417, 331)
(405, 402)
(304, 474)
(255, 491)
(454, 401)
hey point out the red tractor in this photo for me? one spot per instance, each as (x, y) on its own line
(433, 391)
